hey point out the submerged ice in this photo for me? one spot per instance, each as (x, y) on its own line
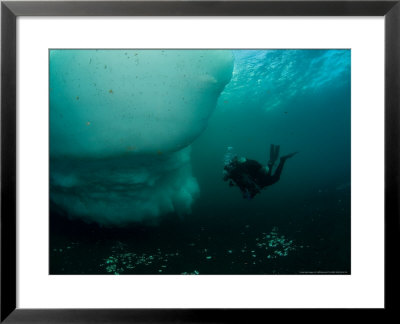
(121, 125)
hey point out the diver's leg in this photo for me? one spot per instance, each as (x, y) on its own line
(276, 155)
(270, 162)
(279, 169)
(273, 155)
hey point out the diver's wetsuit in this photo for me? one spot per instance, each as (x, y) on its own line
(250, 176)
(244, 175)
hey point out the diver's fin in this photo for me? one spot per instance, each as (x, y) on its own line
(273, 154)
(271, 151)
(276, 155)
(285, 157)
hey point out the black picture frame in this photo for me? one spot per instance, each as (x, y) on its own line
(10, 10)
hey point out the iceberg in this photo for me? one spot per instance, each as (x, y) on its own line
(121, 125)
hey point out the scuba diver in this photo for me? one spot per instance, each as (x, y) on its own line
(251, 176)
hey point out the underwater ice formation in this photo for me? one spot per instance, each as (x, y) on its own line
(121, 125)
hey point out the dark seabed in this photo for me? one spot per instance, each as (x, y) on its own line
(299, 99)
(310, 236)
